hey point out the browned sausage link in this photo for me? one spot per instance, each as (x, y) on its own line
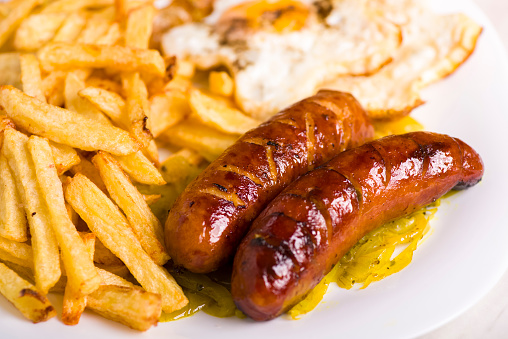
(303, 232)
(211, 216)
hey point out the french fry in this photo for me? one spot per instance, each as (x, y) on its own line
(182, 166)
(108, 278)
(13, 224)
(111, 227)
(44, 244)
(133, 307)
(103, 256)
(217, 113)
(151, 198)
(53, 86)
(105, 83)
(221, 83)
(24, 296)
(70, 28)
(110, 103)
(119, 270)
(79, 267)
(139, 26)
(96, 27)
(140, 169)
(136, 107)
(121, 8)
(37, 30)
(67, 56)
(31, 76)
(64, 126)
(18, 13)
(145, 225)
(4, 124)
(74, 303)
(65, 157)
(167, 109)
(86, 168)
(19, 253)
(73, 5)
(112, 35)
(73, 102)
(207, 141)
(10, 71)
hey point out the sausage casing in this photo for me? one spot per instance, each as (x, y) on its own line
(306, 229)
(209, 219)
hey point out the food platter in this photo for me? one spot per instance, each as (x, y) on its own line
(461, 260)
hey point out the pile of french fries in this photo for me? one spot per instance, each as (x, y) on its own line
(85, 106)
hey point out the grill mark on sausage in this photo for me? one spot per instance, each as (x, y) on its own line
(241, 172)
(357, 187)
(269, 155)
(287, 122)
(426, 157)
(309, 131)
(228, 196)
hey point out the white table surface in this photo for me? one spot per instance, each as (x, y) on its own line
(489, 317)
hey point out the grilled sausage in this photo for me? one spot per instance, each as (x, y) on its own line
(306, 229)
(211, 216)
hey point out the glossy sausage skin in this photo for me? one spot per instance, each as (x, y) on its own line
(209, 219)
(306, 229)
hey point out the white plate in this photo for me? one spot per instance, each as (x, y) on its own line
(459, 263)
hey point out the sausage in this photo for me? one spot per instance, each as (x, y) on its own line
(306, 229)
(209, 219)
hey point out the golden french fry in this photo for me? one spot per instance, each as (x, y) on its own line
(167, 109)
(121, 8)
(67, 56)
(111, 103)
(140, 169)
(79, 267)
(136, 107)
(221, 83)
(108, 278)
(152, 152)
(44, 244)
(71, 27)
(151, 198)
(13, 224)
(73, 102)
(65, 157)
(73, 5)
(64, 126)
(182, 166)
(111, 227)
(185, 68)
(119, 270)
(17, 14)
(217, 113)
(145, 225)
(86, 168)
(37, 30)
(105, 83)
(96, 27)
(139, 26)
(19, 253)
(207, 141)
(112, 35)
(31, 76)
(73, 306)
(103, 256)
(24, 296)
(4, 124)
(53, 86)
(133, 307)
(10, 71)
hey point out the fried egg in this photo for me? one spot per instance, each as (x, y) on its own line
(433, 46)
(282, 51)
